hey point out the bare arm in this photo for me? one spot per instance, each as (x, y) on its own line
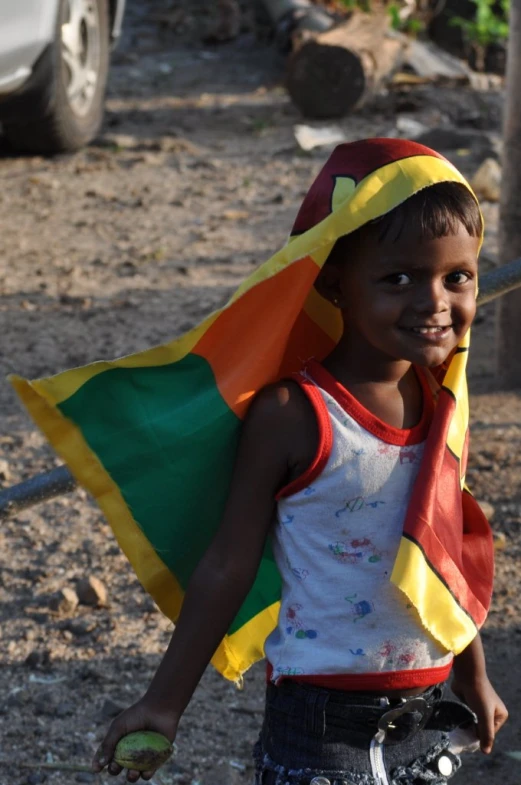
(266, 455)
(472, 685)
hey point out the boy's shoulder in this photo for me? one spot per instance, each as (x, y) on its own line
(282, 415)
(282, 404)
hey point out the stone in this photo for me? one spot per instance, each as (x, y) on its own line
(85, 776)
(486, 183)
(487, 509)
(409, 127)
(110, 709)
(64, 709)
(43, 706)
(91, 591)
(500, 541)
(81, 627)
(38, 658)
(36, 778)
(40, 618)
(5, 472)
(17, 700)
(449, 139)
(65, 601)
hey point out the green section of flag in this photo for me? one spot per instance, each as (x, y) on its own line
(168, 440)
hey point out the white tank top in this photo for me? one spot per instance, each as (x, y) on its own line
(335, 540)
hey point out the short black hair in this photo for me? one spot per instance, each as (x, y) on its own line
(437, 211)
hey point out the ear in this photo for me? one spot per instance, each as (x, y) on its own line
(329, 286)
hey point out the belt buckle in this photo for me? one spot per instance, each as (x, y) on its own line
(409, 705)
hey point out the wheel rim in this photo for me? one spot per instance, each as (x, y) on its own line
(81, 53)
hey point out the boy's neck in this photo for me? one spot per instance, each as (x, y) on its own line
(390, 389)
(368, 369)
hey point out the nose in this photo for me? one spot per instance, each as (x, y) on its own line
(431, 297)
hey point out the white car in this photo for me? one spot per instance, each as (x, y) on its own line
(54, 60)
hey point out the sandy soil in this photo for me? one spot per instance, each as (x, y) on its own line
(195, 179)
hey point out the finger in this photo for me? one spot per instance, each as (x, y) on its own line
(133, 775)
(500, 717)
(486, 734)
(114, 768)
(147, 775)
(105, 752)
(98, 761)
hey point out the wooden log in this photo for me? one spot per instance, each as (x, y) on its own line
(304, 14)
(292, 17)
(332, 73)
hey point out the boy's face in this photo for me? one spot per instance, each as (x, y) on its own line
(412, 299)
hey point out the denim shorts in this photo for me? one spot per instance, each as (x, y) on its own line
(314, 736)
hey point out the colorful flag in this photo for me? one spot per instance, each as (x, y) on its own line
(153, 436)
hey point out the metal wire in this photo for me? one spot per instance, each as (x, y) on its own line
(37, 489)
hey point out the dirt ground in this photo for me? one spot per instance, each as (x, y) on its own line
(195, 179)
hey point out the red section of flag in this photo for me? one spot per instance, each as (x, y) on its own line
(356, 160)
(448, 525)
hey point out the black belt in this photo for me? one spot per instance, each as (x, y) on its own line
(369, 714)
(417, 713)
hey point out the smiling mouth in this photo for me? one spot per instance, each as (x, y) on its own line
(429, 332)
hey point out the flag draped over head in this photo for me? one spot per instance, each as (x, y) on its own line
(153, 435)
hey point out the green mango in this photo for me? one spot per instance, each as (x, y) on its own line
(142, 751)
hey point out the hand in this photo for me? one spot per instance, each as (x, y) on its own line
(481, 697)
(141, 716)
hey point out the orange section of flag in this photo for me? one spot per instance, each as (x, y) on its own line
(307, 341)
(258, 324)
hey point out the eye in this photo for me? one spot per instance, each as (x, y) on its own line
(399, 279)
(459, 277)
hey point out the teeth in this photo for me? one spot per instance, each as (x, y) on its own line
(426, 330)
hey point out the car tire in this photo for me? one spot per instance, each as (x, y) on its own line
(72, 95)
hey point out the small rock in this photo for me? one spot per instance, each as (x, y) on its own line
(65, 601)
(122, 141)
(500, 541)
(111, 709)
(37, 616)
(486, 183)
(36, 777)
(85, 776)
(449, 139)
(149, 606)
(308, 137)
(88, 673)
(409, 127)
(5, 472)
(38, 658)
(64, 709)
(18, 700)
(44, 707)
(235, 215)
(487, 509)
(81, 627)
(91, 591)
